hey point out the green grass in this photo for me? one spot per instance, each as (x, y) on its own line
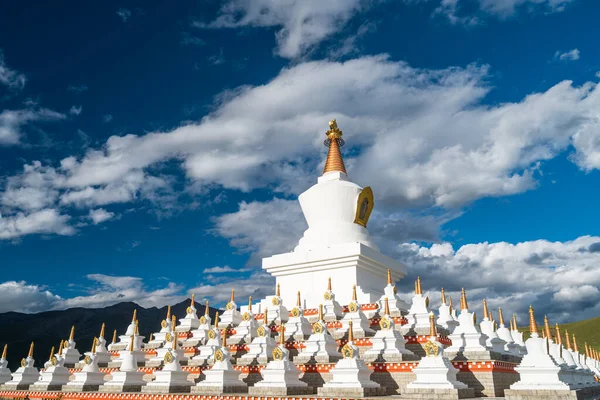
(586, 331)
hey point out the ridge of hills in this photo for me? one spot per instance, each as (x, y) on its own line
(47, 328)
(586, 331)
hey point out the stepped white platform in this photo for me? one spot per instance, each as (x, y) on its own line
(89, 379)
(25, 376)
(222, 377)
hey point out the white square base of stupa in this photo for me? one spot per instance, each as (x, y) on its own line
(346, 264)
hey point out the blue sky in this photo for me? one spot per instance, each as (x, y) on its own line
(150, 149)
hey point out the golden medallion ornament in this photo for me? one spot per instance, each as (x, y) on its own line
(364, 206)
(189, 310)
(169, 337)
(347, 351)
(328, 296)
(229, 306)
(163, 324)
(246, 317)
(261, 331)
(168, 358)
(87, 360)
(426, 301)
(275, 301)
(212, 334)
(353, 307)
(203, 320)
(317, 328)
(219, 356)
(295, 312)
(23, 363)
(431, 349)
(385, 323)
(277, 354)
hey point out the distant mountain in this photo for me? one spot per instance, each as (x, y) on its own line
(46, 329)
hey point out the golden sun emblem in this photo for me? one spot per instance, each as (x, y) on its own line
(219, 356)
(275, 301)
(246, 317)
(353, 307)
(317, 328)
(212, 334)
(277, 354)
(385, 323)
(431, 349)
(203, 320)
(295, 312)
(189, 310)
(426, 301)
(229, 306)
(23, 363)
(163, 324)
(347, 351)
(53, 360)
(261, 331)
(169, 337)
(328, 296)
(87, 360)
(168, 358)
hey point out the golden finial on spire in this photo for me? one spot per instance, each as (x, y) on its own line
(320, 312)
(137, 328)
(94, 342)
(419, 284)
(216, 319)
(350, 332)
(558, 335)
(114, 339)
(224, 338)
(265, 318)
(168, 312)
(278, 291)
(568, 340)
(30, 350)
(329, 284)
(547, 327)
(510, 322)
(575, 348)
(60, 347)
(51, 354)
(72, 334)
(232, 295)
(102, 330)
(463, 300)
(491, 315)
(587, 350)
(134, 318)
(193, 300)
(386, 308)
(443, 296)
(151, 337)
(389, 276)
(432, 330)
(334, 141)
(486, 312)
(282, 335)
(5, 351)
(298, 301)
(131, 342)
(250, 304)
(206, 308)
(501, 317)
(450, 303)
(354, 293)
(533, 328)
(173, 323)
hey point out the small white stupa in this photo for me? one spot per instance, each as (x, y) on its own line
(261, 349)
(446, 319)
(128, 378)
(200, 334)
(355, 319)
(466, 336)
(570, 374)
(298, 327)
(388, 344)
(136, 351)
(5, 374)
(517, 335)
(70, 354)
(397, 306)
(171, 378)
(246, 330)
(276, 311)
(54, 376)
(207, 350)
(493, 342)
(90, 378)
(435, 374)
(113, 345)
(190, 321)
(26, 375)
(333, 309)
(222, 377)
(231, 317)
(538, 370)
(103, 357)
(418, 314)
(125, 339)
(351, 376)
(280, 377)
(158, 338)
(586, 375)
(170, 346)
(505, 334)
(320, 347)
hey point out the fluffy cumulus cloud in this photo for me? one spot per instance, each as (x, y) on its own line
(12, 121)
(571, 55)
(22, 297)
(48, 221)
(100, 215)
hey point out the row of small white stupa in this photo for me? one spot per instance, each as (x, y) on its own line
(546, 364)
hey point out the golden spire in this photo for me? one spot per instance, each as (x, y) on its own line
(94, 345)
(501, 317)
(568, 339)
(265, 318)
(114, 340)
(320, 312)
(491, 316)
(354, 293)
(282, 335)
(134, 315)
(419, 285)
(547, 327)
(4, 351)
(173, 323)
(232, 295)
(334, 141)
(250, 304)
(175, 337)
(350, 332)
(72, 334)
(575, 348)
(386, 308)
(30, 350)
(137, 328)
(443, 296)
(193, 300)
(298, 301)
(224, 338)
(168, 312)
(60, 347)
(486, 312)
(558, 335)
(389, 276)
(329, 284)
(278, 291)
(432, 330)
(131, 342)
(206, 308)
(587, 350)
(102, 330)
(216, 319)
(463, 300)
(532, 324)
(474, 317)
(51, 353)
(450, 303)
(151, 337)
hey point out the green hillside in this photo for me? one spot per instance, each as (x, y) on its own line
(585, 331)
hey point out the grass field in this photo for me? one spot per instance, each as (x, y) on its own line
(586, 331)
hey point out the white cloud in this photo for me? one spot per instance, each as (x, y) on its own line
(100, 215)
(506, 8)
(222, 270)
(12, 79)
(461, 11)
(257, 285)
(124, 14)
(21, 297)
(77, 88)
(75, 110)
(302, 23)
(48, 221)
(11, 122)
(571, 55)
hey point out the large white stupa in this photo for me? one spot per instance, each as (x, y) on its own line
(337, 244)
